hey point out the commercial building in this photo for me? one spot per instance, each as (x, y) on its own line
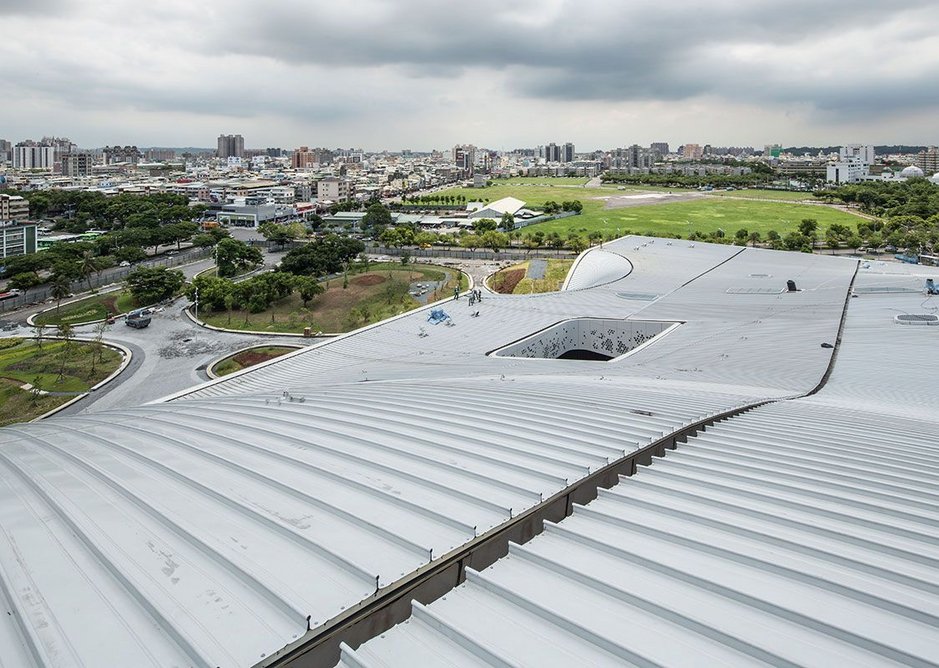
(552, 152)
(659, 147)
(633, 158)
(230, 146)
(124, 155)
(334, 189)
(303, 158)
(928, 160)
(77, 164)
(30, 155)
(803, 169)
(464, 157)
(13, 207)
(567, 152)
(16, 239)
(864, 152)
(692, 151)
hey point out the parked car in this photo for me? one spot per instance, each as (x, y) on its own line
(124, 263)
(138, 319)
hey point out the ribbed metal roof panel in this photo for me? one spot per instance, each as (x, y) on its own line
(204, 531)
(802, 532)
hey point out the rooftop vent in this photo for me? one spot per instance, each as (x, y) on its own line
(596, 339)
(916, 319)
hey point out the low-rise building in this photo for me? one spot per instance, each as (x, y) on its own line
(334, 189)
(13, 207)
(17, 238)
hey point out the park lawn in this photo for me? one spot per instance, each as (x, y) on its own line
(781, 210)
(554, 277)
(758, 193)
(371, 296)
(248, 358)
(26, 362)
(95, 307)
(699, 215)
(576, 181)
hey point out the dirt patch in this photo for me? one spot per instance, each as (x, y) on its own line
(368, 279)
(505, 281)
(252, 357)
(644, 199)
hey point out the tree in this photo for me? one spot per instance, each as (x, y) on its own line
(261, 291)
(376, 217)
(481, 225)
(577, 244)
(507, 224)
(149, 285)
(40, 330)
(314, 221)
(325, 255)
(21, 264)
(88, 265)
(389, 237)
(61, 288)
(808, 228)
(494, 240)
(98, 347)
(754, 238)
(203, 240)
(470, 241)
(66, 333)
(24, 281)
(233, 256)
(741, 235)
(212, 290)
(277, 233)
(308, 287)
(854, 242)
(181, 231)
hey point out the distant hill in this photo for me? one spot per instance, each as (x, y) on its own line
(880, 150)
(179, 149)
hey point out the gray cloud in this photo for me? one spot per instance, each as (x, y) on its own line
(588, 49)
(32, 7)
(375, 68)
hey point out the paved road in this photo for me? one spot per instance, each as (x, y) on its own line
(170, 355)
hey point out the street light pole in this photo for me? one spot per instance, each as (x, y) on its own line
(197, 304)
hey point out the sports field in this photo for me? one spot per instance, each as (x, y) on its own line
(612, 210)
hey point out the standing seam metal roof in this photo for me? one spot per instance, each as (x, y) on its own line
(186, 532)
(803, 532)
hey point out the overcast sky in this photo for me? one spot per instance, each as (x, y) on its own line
(421, 74)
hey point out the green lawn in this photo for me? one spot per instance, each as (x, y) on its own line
(53, 367)
(730, 211)
(247, 358)
(783, 195)
(554, 277)
(698, 215)
(95, 307)
(381, 292)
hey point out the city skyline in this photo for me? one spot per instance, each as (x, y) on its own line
(416, 75)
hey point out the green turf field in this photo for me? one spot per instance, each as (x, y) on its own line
(777, 210)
